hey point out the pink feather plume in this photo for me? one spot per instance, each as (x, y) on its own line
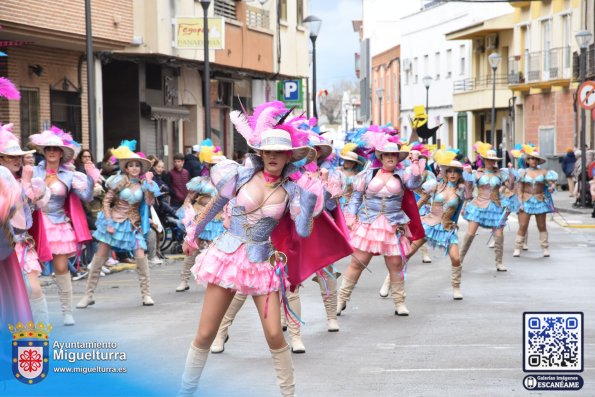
(8, 90)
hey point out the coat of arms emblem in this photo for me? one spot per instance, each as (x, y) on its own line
(30, 351)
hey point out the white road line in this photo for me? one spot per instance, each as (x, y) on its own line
(380, 370)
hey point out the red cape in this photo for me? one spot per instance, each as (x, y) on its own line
(37, 231)
(409, 206)
(328, 242)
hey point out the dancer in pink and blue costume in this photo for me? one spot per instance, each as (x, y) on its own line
(34, 194)
(59, 149)
(243, 259)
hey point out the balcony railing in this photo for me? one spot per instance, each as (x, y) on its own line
(257, 17)
(538, 66)
(479, 83)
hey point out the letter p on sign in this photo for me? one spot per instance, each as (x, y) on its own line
(290, 90)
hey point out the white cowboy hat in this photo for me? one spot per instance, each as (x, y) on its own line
(535, 154)
(55, 141)
(318, 142)
(451, 164)
(391, 147)
(350, 156)
(278, 140)
(490, 155)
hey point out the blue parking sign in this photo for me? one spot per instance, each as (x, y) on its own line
(290, 91)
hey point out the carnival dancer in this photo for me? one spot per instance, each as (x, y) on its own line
(486, 209)
(34, 195)
(382, 226)
(63, 217)
(440, 223)
(243, 259)
(333, 185)
(423, 208)
(535, 186)
(352, 165)
(200, 192)
(14, 303)
(123, 223)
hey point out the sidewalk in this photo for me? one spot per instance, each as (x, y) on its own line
(569, 216)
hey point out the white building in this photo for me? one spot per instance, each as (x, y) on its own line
(425, 52)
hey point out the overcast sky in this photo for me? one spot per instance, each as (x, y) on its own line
(337, 42)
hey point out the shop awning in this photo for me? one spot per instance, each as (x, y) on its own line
(169, 113)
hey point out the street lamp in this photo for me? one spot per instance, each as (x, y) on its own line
(206, 72)
(313, 24)
(494, 60)
(427, 80)
(583, 38)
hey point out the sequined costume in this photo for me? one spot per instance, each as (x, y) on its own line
(239, 258)
(532, 190)
(121, 210)
(440, 222)
(486, 209)
(381, 223)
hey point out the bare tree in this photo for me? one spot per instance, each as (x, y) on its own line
(330, 105)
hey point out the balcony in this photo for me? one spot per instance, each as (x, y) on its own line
(476, 93)
(540, 69)
(590, 64)
(480, 83)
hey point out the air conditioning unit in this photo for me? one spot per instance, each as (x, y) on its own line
(492, 41)
(479, 46)
(406, 64)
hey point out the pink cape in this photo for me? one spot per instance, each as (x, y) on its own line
(307, 255)
(14, 301)
(74, 210)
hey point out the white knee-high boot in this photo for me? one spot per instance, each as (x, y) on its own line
(385, 289)
(64, 284)
(218, 345)
(195, 363)
(330, 300)
(284, 369)
(293, 326)
(39, 309)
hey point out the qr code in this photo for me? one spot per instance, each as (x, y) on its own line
(552, 342)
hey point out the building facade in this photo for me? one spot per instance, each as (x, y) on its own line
(432, 66)
(45, 48)
(148, 88)
(386, 87)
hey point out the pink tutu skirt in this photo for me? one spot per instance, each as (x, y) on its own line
(235, 271)
(380, 237)
(61, 238)
(31, 262)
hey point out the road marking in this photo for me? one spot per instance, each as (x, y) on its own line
(382, 370)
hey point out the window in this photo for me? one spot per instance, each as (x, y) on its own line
(566, 39)
(225, 8)
(65, 112)
(546, 43)
(153, 76)
(448, 63)
(284, 10)
(407, 76)
(300, 11)
(29, 105)
(462, 57)
(414, 70)
(426, 65)
(437, 65)
(395, 88)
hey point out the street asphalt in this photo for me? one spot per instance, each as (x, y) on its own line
(471, 347)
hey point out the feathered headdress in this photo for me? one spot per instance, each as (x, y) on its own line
(444, 157)
(9, 144)
(269, 119)
(125, 153)
(55, 137)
